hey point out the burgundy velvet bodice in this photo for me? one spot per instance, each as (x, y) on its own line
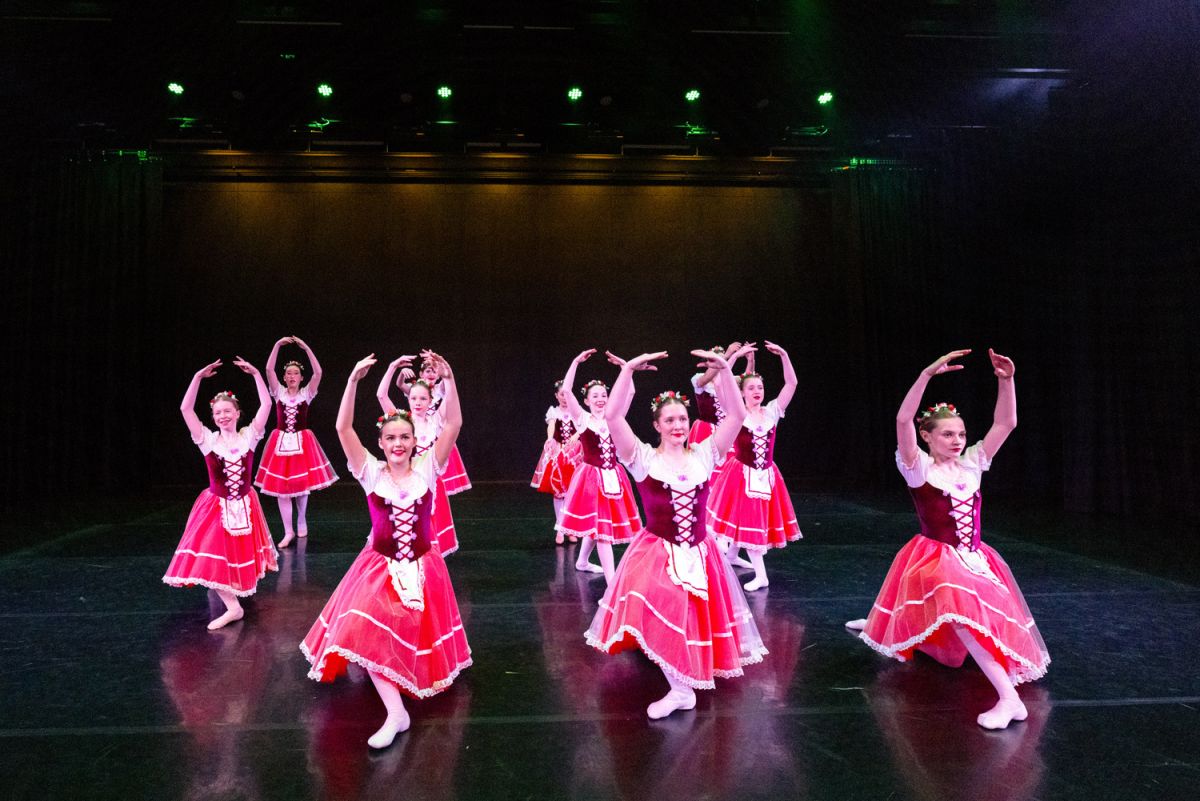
(708, 408)
(229, 479)
(755, 450)
(563, 430)
(668, 521)
(934, 507)
(291, 418)
(597, 451)
(401, 532)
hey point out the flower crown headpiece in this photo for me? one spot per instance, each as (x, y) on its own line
(421, 382)
(744, 377)
(225, 395)
(718, 349)
(558, 385)
(595, 382)
(935, 409)
(393, 416)
(670, 396)
(294, 363)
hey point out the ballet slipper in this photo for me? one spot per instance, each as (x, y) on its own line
(856, 625)
(589, 567)
(738, 561)
(391, 727)
(224, 620)
(1004, 712)
(674, 700)
(286, 541)
(756, 584)
(574, 540)
(302, 533)
(558, 538)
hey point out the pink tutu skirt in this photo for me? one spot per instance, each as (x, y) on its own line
(757, 524)
(588, 512)
(928, 589)
(691, 638)
(700, 431)
(455, 477)
(288, 476)
(444, 536)
(554, 470)
(364, 622)
(209, 556)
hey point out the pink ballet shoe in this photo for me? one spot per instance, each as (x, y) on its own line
(558, 538)
(225, 619)
(588, 567)
(302, 533)
(856, 625)
(672, 701)
(387, 733)
(286, 541)
(1004, 712)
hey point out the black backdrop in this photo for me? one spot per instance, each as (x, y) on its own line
(119, 284)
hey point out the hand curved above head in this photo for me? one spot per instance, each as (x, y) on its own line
(943, 364)
(712, 359)
(363, 367)
(209, 370)
(245, 366)
(1002, 366)
(773, 348)
(584, 356)
(745, 349)
(643, 362)
(614, 358)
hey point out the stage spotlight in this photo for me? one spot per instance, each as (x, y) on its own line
(444, 92)
(574, 94)
(825, 98)
(325, 90)
(175, 88)
(692, 95)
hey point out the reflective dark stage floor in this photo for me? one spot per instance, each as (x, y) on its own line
(112, 687)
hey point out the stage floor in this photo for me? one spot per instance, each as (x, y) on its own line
(113, 689)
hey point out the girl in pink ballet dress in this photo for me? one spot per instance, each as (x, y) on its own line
(947, 592)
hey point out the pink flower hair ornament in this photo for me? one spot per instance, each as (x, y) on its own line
(670, 396)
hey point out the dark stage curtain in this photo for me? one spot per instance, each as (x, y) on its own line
(80, 316)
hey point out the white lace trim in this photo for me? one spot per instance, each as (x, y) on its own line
(753, 658)
(1027, 670)
(318, 668)
(969, 591)
(177, 581)
(422, 652)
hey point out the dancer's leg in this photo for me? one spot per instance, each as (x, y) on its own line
(585, 551)
(1009, 707)
(607, 564)
(285, 512)
(301, 516)
(760, 571)
(680, 696)
(397, 716)
(233, 610)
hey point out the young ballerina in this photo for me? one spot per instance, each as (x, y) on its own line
(947, 593)
(557, 462)
(599, 507)
(674, 595)
(708, 408)
(293, 464)
(749, 506)
(394, 612)
(428, 426)
(456, 479)
(226, 545)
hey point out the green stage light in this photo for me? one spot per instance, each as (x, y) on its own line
(175, 88)
(325, 90)
(692, 95)
(574, 93)
(825, 98)
(444, 92)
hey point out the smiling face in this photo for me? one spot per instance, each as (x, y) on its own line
(753, 392)
(292, 377)
(671, 423)
(596, 399)
(397, 440)
(419, 399)
(560, 395)
(429, 372)
(946, 438)
(225, 415)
